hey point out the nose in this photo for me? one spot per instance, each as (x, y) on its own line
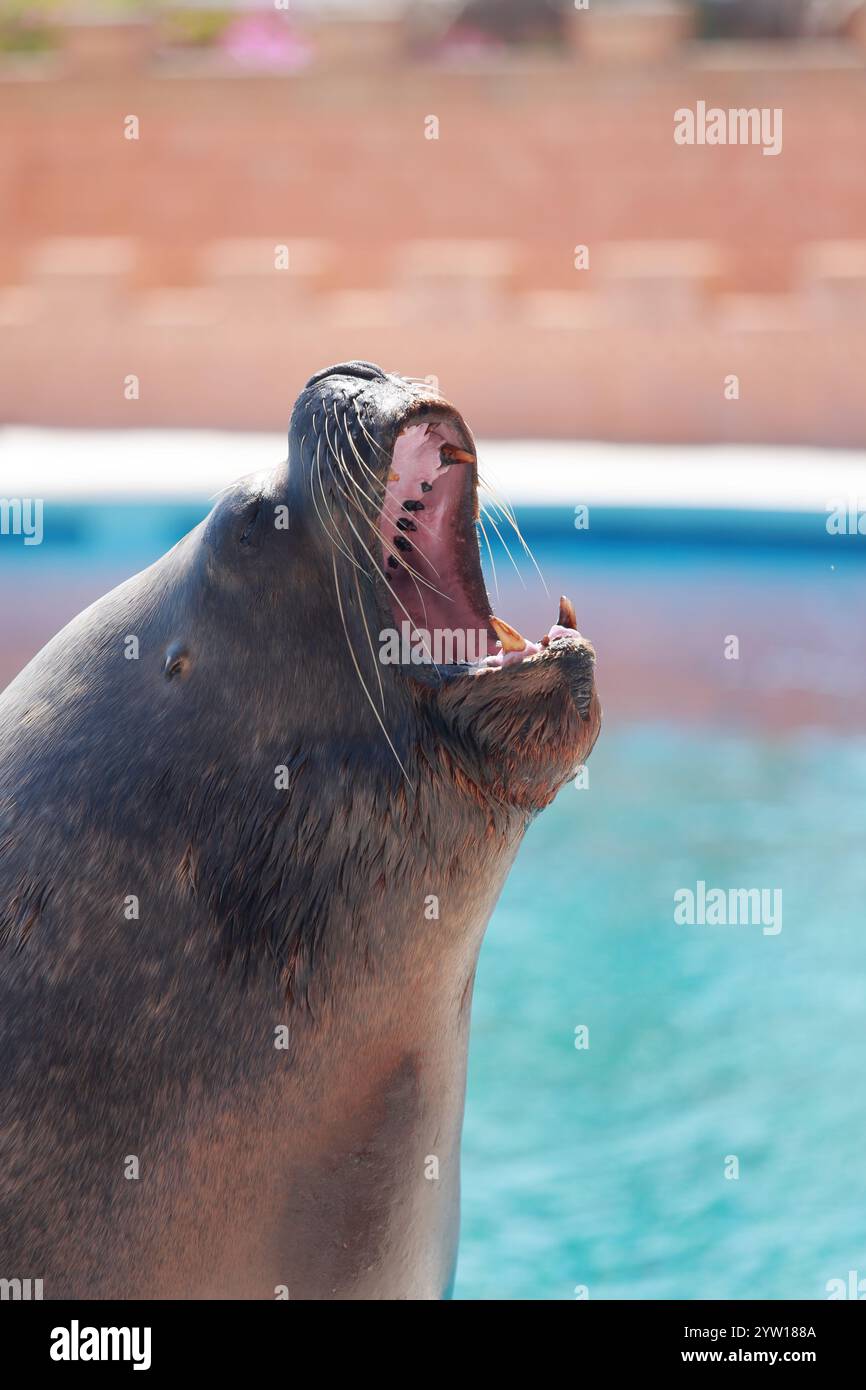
(367, 371)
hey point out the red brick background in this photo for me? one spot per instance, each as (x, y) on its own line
(453, 256)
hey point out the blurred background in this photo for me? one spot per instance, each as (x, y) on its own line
(661, 350)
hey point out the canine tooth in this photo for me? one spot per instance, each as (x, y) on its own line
(567, 616)
(509, 636)
(450, 454)
(393, 477)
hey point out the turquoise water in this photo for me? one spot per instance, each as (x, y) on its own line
(605, 1167)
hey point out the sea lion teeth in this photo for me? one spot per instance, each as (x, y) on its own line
(426, 487)
(450, 454)
(393, 477)
(567, 616)
(509, 636)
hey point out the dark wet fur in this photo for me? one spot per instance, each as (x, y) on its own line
(259, 906)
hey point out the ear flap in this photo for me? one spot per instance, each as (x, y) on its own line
(177, 661)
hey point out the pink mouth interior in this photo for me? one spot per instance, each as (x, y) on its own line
(427, 527)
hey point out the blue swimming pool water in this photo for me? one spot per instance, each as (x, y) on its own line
(605, 1167)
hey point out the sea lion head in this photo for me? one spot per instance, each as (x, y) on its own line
(303, 703)
(357, 563)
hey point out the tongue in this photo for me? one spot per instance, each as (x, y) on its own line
(515, 648)
(503, 658)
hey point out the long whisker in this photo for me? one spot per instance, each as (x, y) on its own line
(404, 564)
(410, 569)
(366, 467)
(353, 502)
(508, 513)
(489, 552)
(377, 505)
(335, 539)
(382, 573)
(370, 438)
(361, 678)
(378, 567)
(370, 643)
(502, 542)
(381, 508)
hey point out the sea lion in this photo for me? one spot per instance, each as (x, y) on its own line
(245, 870)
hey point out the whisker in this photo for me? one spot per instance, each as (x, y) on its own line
(366, 467)
(395, 596)
(338, 540)
(489, 516)
(404, 564)
(489, 552)
(378, 506)
(361, 678)
(393, 517)
(381, 572)
(353, 502)
(370, 643)
(370, 438)
(380, 510)
(508, 513)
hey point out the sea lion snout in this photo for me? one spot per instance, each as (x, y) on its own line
(386, 471)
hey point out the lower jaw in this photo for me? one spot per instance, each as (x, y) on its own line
(445, 652)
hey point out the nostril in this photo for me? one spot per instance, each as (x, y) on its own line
(367, 371)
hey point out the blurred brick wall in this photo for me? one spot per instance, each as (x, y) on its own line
(453, 256)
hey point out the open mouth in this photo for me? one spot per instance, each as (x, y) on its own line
(430, 553)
